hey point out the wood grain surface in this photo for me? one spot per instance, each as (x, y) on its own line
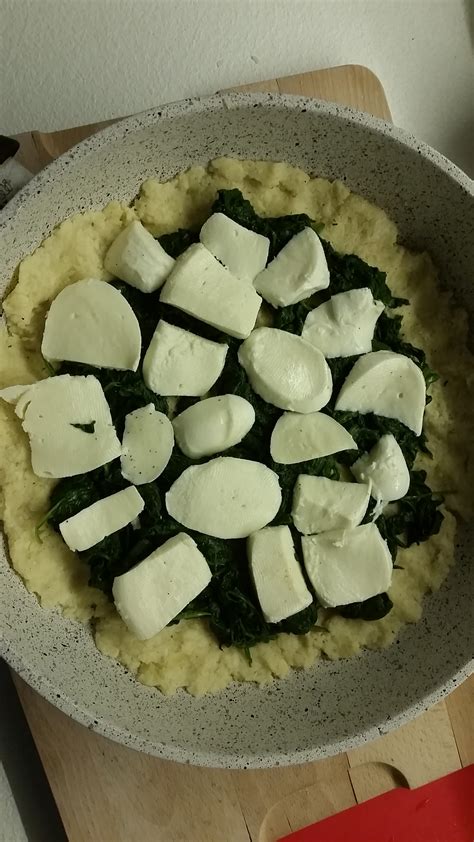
(108, 793)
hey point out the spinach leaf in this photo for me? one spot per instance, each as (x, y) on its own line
(348, 271)
(235, 615)
(86, 428)
(234, 380)
(371, 609)
(108, 559)
(178, 241)
(367, 429)
(72, 494)
(300, 623)
(67, 498)
(418, 516)
(293, 317)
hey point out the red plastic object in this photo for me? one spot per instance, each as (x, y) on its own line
(442, 811)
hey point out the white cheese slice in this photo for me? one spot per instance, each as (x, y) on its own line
(243, 252)
(147, 444)
(386, 384)
(12, 394)
(343, 326)
(91, 322)
(347, 565)
(102, 518)
(297, 437)
(226, 497)
(321, 504)
(285, 370)
(298, 270)
(178, 362)
(201, 286)
(213, 425)
(276, 573)
(157, 589)
(50, 409)
(137, 258)
(385, 467)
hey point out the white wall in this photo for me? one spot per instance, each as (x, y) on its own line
(66, 62)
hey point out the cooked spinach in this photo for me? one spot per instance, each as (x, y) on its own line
(387, 337)
(367, 429)
(178, 241)
(371, 609)
(293, 317)
(86, 428)
(234, 380)
(348, 271)
(278, 229)
(417, 518)
(229, 602)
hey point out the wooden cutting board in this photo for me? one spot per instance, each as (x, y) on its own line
(108, 793)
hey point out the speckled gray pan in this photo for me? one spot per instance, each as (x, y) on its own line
(333, 706)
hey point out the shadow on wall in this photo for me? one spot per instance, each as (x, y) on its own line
(461, 139)
(469, 13)
(24, 772)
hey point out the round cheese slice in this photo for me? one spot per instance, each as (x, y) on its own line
(225, 498)
(386, 384)
(385, 467)
(147, 444)
(297, 437)
(91, 322)
(344, 326)
(212, 425)
(285, 370)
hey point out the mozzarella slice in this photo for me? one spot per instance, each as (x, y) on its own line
(386, 384)
(213, 425)
(50, 410)
(147, 444)
(276, 573)
(321, 504)
(347, 565)
(102, 518)
(343, 326)
(91, 322)
(298, 270)
(297, 437)
(157, 589)
(12, 394)
(226, 497)
(201, 286)
(285, 370)
(137, 258)
(243, 252)
(385, 468)
(178, 362)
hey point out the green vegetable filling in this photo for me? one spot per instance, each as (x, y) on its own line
(229, 602)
